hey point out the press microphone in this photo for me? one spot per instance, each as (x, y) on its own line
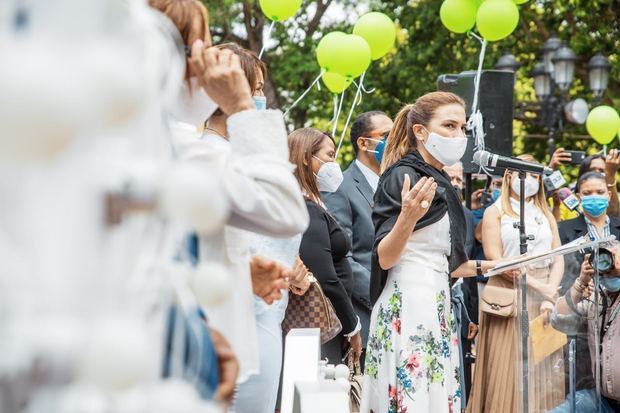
(569, 199)
(487, 159)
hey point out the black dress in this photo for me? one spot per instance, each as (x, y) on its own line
(324, 248)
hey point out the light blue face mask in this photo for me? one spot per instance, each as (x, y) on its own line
(595, 205)
(260, 102)
(611, 284)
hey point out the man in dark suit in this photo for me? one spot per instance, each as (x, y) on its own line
(351, 205)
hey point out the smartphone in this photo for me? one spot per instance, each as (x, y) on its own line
(576, 157)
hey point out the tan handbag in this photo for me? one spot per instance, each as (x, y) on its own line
(312, 310)
(499, 301)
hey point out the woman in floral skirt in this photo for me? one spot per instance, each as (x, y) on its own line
(412, 360)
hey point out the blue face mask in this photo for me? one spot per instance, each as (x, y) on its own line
(611, 284)
(379, 151)
(260, 102)
(495, 195)
(595, 205)
(379, 148)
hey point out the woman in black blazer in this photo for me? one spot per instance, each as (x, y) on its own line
(594, 195)
(324, 245)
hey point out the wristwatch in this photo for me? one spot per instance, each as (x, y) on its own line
(478, 267)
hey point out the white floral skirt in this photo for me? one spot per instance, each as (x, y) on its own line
(412, 355)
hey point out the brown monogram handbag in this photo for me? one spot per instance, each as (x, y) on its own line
(312, 310)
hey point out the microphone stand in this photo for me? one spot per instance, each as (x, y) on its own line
(525, 325)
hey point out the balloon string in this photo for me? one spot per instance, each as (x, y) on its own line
(265, 39)
(337, 113)
(358, 95)
(475, 122)
(333, 119)
(367, 91)
(483, 43)
(305, 92)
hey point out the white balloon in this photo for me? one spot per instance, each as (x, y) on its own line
(342, 371)
(58, 341)
(344, 383)
(172, 395)
(83, 399)
(211, 283)
(135, 400)
(116, 84)
(118, 355)
(42, 101)
(193, 196)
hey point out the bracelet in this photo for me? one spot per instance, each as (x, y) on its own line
(478, 267)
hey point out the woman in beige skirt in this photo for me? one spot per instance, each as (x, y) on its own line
(497, 378)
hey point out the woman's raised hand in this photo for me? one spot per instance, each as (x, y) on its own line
(417, 200)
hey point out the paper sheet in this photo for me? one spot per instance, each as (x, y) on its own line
(545, 339)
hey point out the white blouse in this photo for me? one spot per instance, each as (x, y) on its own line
(264, 197)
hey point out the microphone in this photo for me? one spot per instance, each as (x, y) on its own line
(554, 181)
(569, 199)
(484, 158)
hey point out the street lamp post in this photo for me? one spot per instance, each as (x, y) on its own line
(553, 76)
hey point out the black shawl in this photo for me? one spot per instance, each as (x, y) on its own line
(387, 207)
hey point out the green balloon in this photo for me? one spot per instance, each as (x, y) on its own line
(347, 55)
(459, 16)
(603, 123)
(497, 19)
(379, 32)
(278, 10)
(335, 83)
(327, 49)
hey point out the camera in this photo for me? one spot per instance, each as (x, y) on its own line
(605, 263)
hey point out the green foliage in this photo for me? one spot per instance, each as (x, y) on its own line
(426, 49)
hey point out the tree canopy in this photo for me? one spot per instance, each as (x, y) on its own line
(424, 50)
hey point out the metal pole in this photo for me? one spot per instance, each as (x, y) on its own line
(572, 379)
(597, 332)
(524, 315)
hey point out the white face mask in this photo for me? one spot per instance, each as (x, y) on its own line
(329, 177)
(447, 151)
(195, 107)
(531, 186)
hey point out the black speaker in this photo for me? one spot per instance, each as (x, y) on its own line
(495, 102)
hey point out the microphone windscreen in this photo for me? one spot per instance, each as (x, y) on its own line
(564, 193)
(481, 157)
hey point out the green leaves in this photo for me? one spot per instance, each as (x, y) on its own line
(424, 50)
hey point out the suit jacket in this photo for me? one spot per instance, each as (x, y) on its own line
(571, 230)
(470, 239)
(351, 205)
(469, 286)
